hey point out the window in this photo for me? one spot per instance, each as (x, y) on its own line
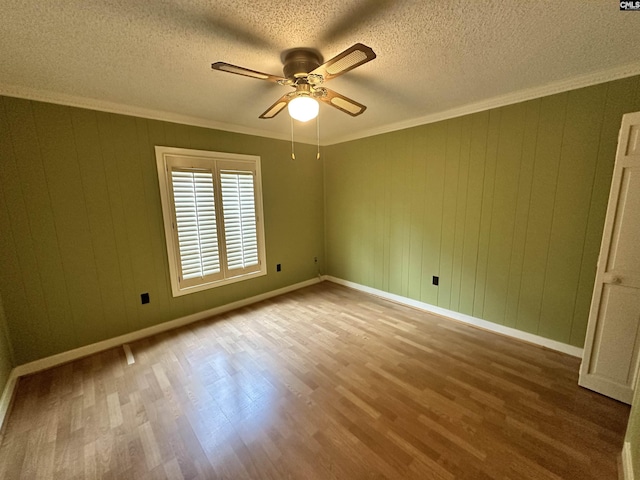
(212, 211)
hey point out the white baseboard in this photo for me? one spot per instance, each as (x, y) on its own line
(627, 462)
(70, 355)
(7, 396)
(461, 317)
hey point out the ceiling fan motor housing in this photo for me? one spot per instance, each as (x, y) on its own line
(298, 63)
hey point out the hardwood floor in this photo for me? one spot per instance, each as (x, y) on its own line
(321, 383)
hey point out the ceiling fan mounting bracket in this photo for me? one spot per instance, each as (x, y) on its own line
(298, 63)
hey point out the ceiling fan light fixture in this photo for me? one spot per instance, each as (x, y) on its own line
(303, 108)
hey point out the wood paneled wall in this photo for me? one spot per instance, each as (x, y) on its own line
(81, 223)
(506, 206)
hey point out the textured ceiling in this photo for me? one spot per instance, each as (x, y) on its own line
(435, 57)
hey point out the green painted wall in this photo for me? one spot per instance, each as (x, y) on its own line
(6, 352)
(506, 206)
(81, 223)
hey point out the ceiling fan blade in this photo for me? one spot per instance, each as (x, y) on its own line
(342, 103)
(227, 67)
(277, 107)
(351, 58)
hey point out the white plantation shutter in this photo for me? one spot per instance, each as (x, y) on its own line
(211, 206)
(195, 212)
(239, 212)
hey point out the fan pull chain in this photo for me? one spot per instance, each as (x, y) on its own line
(293, 153)
(318, 136)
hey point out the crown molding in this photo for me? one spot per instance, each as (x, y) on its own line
(122, 109)
(573, 83)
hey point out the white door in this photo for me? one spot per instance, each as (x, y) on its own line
(610, 360)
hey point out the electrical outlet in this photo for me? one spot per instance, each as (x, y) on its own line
(278, 268)
(144, 298)
(436, 280)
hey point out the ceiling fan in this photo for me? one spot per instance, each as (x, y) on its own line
(303, 72)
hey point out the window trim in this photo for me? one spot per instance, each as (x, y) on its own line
(163, 154)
